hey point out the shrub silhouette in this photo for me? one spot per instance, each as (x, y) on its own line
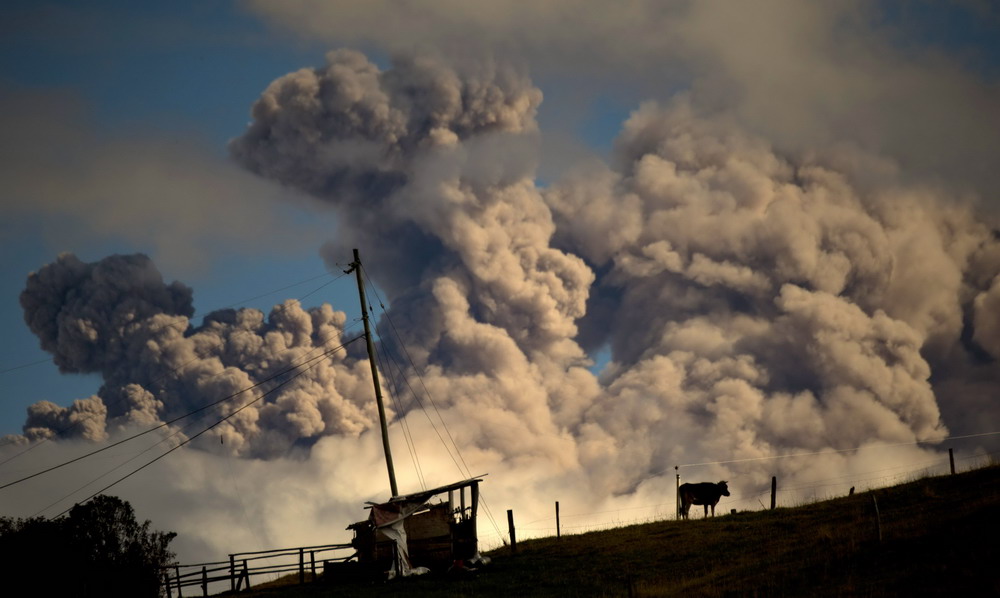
(99, 549)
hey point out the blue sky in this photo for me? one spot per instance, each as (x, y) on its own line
(179, 72)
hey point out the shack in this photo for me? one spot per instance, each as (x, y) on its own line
(414, 533)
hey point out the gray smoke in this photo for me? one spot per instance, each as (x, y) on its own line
(804, 75)
(118, 318)
(462, 233)
(755, 302)
(775, 304)
(82, 312)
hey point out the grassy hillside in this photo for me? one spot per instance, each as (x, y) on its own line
(938, 536)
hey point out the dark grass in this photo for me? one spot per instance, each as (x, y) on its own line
(939, 537)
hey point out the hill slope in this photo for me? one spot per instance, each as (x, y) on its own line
(938, 536)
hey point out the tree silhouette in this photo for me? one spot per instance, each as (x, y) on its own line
(98, 550)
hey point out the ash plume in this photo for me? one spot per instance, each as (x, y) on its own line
(118, 318)
(757, 301)
(776, 305)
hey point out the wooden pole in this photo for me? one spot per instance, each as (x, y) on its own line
(204, 581)
(558, 534)
(677, 514)
(166, 583)
(510, 527)
(232, 572)
(774, 490)
(878, 518)
(474, 499)
(177, 570)
(246, 573)
(951, 459)
(312, 560)
(378, 387)
(302, 566)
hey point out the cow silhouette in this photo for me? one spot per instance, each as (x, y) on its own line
(704, 493)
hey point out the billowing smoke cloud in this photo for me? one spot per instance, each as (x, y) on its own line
(775, 304)
(441, 191)
(118, 318)
(875, 74)
(755, 303)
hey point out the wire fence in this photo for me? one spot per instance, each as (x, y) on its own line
(797, 495)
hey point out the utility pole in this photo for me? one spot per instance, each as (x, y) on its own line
(356, 266)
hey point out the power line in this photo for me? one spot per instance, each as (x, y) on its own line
(176, 419)
(467, 471)
(833, 451)
(137, 470)
(25, 365)
(196, 314)
(385, 362)
(448, 448)
(115, 468)
(171, 371)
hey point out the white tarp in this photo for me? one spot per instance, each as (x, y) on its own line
(390, 518)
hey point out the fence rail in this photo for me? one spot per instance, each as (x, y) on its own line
(238, 572)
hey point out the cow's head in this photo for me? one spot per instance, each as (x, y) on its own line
(723, 488)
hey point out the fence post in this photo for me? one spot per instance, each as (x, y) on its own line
(558, 532)
(312, 560)
(677, 514)
(232, 572)
(166, 583)
(177, 570)
(510, 527)
(302, 566)
(204, 581)
(878, 518)
(951, 459)
(246, 573)
(774, 490)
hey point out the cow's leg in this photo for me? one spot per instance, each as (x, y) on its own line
(706, 511)
(713, 510)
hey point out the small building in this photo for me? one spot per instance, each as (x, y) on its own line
(412, 534)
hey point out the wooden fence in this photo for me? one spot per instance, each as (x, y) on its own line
(238, 570)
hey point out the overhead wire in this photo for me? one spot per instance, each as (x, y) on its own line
(467, 471)
(178, 418)
(171, 371)
(117, 467)
(196, 314)
(25, 365)
(448, 448)
(394, 395)
(220, 421)
(832, 451)
(384, 364)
